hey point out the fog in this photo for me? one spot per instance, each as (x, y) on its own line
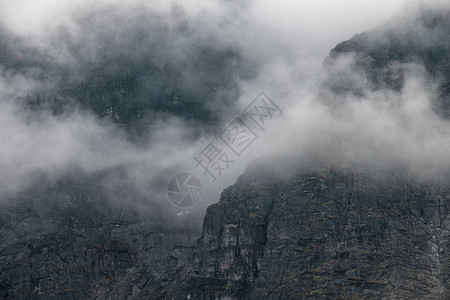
(278, 47)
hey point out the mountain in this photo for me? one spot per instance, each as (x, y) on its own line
(304, 229)
(80, 236)
(331, 230)
(326, 232)
(383, 55)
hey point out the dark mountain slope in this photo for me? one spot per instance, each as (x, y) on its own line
(382, 56)
(334, 232)
(138, 71)
(67, 238)
(324, 231)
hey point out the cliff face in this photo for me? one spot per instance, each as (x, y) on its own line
(319, 232)
(333, 232)
(324, 233)
(328, 232)
(64, 240)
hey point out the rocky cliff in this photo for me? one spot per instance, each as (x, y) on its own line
(333, 231)
(323, 233)
(65, 240)
(314, 231)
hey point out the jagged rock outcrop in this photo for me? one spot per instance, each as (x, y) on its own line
(323, 233)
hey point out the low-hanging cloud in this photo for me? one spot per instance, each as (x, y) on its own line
(275, 47)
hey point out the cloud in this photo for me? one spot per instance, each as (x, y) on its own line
(221, 52)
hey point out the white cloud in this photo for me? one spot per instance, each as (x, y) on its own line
(288, 40)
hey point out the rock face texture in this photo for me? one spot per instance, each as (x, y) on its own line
(324, 233)
(64, 241)
(319, 232)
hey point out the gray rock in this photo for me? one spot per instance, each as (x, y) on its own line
(324, 233)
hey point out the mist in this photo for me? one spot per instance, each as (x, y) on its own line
(277, 47)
